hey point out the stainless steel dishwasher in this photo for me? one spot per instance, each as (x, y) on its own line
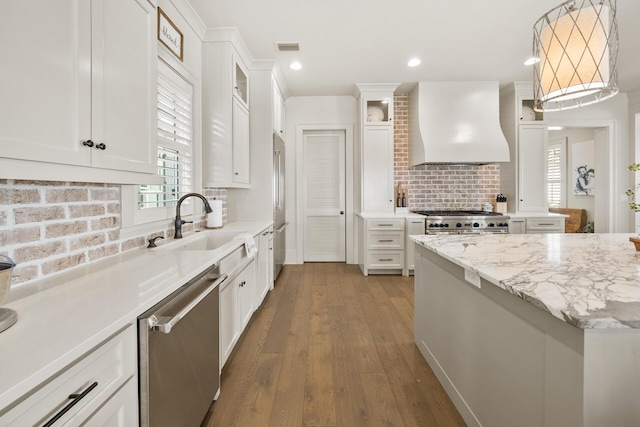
(179, 354)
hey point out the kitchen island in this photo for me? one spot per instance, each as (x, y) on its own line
(532, 330)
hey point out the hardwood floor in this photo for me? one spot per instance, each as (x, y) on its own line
(330, 347)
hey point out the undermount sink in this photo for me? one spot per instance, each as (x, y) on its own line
(202, 241)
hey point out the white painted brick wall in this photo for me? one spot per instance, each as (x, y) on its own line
(47, 227)
(439, 186)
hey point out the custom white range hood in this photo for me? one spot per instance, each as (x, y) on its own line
(456, 123)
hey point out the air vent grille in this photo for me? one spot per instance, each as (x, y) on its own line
(288, 47)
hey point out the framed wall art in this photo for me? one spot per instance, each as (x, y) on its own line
(583, 165)
(169, 34)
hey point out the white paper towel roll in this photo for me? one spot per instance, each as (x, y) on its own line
(214, 219)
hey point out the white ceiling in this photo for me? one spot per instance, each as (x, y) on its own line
(344, 42)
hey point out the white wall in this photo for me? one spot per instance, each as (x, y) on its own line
(634, 137)
(306, 111)
(612, 113)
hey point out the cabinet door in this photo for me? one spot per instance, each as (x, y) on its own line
(121, 410)
(229, 331)
(240, 157)
(377, 170)
(124, 85)
(240, 80)
(517, 226)
(532, 168)
(262, 268)
(414, 227)
(45, 81)
(246, 290)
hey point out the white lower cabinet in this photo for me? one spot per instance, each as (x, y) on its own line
(95, 381)
(536, 225)
(517, 226)
(545, 225)
(121, 410)
(237, 299)
(414, 226)
(263, 265)
(383, 246)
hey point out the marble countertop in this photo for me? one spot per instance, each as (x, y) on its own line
(60, 322)
(587, 280)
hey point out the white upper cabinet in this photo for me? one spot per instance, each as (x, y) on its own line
(225, 104)
(278, 110)
(376, 142)
(78, 83)
(524, 179)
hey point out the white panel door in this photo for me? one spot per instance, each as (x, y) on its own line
(324, 196)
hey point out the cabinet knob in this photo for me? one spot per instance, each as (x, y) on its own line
(88, 143)
(101, 146)
(236, 173)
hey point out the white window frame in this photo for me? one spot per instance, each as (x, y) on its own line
(134, 220)
(561, 145)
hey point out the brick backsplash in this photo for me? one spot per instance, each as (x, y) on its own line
(48, 227)
(439, 186)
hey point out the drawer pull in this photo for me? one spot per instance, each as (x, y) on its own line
(385, 225)
(550, 225)
(386, 240)
(76, 398)
(385, 259)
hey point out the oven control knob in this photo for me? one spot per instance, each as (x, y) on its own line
(458, 225)
(430, 225)
(475, 224)
(445, 225)
(492, 224)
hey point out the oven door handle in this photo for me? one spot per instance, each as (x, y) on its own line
(164, 324)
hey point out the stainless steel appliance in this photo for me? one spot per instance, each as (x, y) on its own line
(179, 354)
(279, 218)
(464, 222)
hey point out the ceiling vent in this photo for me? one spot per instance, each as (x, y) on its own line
(288, 47)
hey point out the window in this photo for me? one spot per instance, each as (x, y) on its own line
(175, 142)
(556, 174)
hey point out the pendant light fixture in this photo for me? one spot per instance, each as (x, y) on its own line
(577, 43)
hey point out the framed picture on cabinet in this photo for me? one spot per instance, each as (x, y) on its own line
(169, 34)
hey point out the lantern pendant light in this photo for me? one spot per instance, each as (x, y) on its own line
(577, 43)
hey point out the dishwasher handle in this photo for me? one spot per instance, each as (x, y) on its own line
(165, 323)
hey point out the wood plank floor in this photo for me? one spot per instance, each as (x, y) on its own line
(330, 347)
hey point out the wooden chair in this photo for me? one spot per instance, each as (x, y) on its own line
(576, 220)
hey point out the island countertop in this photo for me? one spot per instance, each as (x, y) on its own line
(587, 280)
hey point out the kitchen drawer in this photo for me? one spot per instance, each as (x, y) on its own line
(385, 224)
(386, 259)
(545, 225)
(97, 376)
(385, 240)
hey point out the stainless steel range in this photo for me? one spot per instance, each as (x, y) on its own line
(461, 222)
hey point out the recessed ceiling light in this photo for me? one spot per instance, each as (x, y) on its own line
(532, 60)
(295, 65)
(414, 62)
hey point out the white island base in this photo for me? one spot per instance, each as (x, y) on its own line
(505, 362)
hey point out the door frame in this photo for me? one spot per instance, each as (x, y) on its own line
(347, 128)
